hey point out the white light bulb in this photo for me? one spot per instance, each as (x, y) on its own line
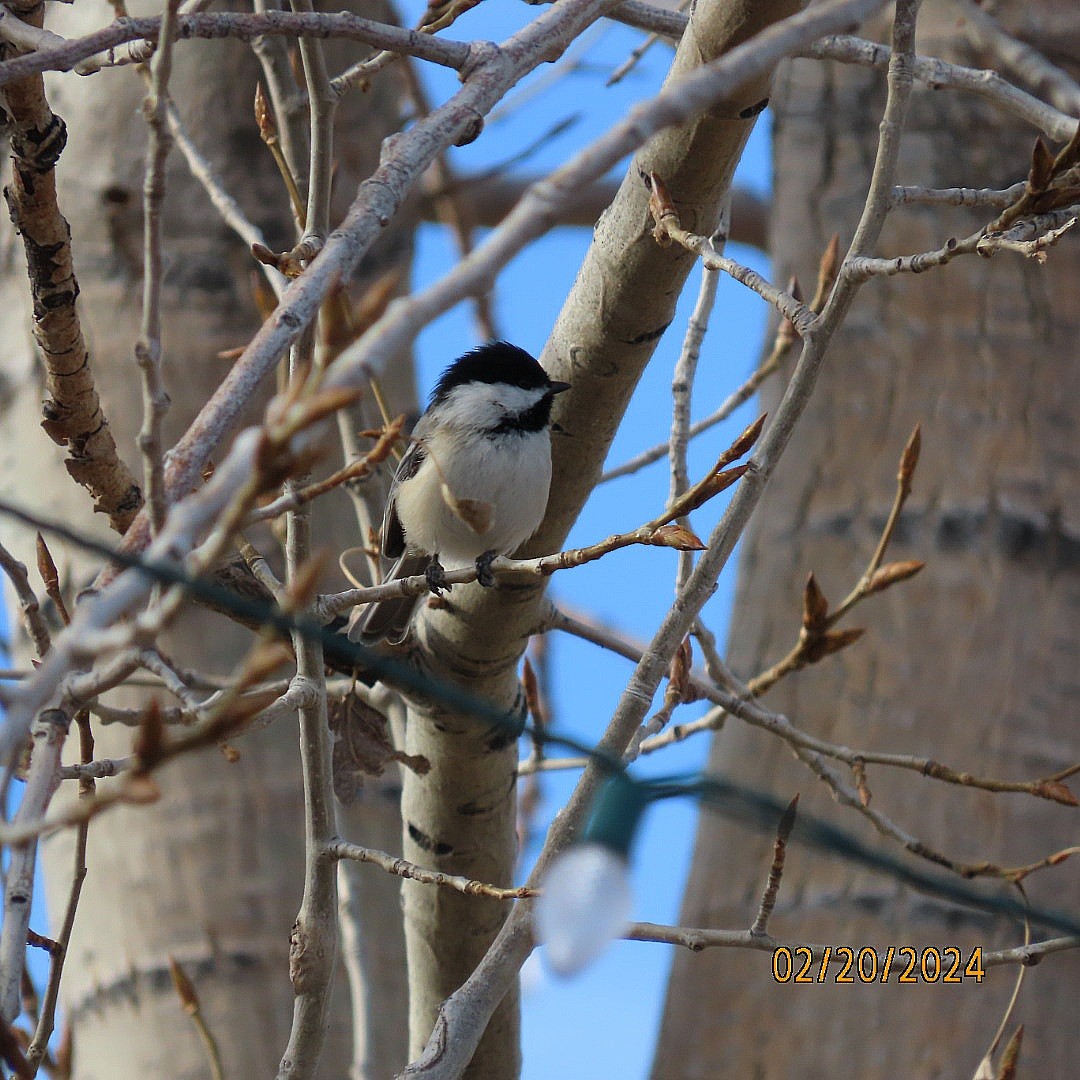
(585, 904)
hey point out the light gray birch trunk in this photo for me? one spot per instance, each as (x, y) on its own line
(212, 874)
(973, 663)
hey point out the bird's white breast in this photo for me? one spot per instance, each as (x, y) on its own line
(508, 475)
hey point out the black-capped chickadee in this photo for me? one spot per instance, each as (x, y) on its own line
(473, 483)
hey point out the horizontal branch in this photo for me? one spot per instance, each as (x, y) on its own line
(244, 27)
(699, 939)
(939, 74)
(342, 849)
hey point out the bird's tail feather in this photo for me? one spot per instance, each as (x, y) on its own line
(389, 619)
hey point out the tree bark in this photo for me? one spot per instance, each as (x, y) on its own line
(973, 663)
(212, 874)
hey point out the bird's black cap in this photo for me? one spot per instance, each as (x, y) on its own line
(495, 362)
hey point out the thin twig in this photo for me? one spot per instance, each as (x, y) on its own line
(783, 344)
(668, 229)
(39, 1047)
(148, 347)
(776, 870)
(940, 74)
(313, 944)
(1019, 58)
(246, 27)
(189, 1001)
(33, 619)
(340, 849)
(48, 734)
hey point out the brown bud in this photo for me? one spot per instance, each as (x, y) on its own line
(532, 688)
(909, 459)
(891, 573)
(828, 268)
(264, 117)
(815, 606)
(835, 640)
(660, 207)
(1055, 791)
(327, 402)
(1042, 167)
(787, 820)
(150, 739)
(679, 682)
(185, 988)
(676, 536)
(743, 443)
(711, 486)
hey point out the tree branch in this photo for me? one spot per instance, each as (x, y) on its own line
(72, 413)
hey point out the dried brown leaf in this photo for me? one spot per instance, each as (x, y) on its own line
(891, 573)
(1011, 1057)
(362, 746)
(263, 295)
(815, 606)
(185, 988)
(373, 304)
(676, 536)
(304, 585)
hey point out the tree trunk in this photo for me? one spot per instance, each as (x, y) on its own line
(212, 874)
(973, 663)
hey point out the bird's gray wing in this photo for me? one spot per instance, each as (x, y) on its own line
(390, 618)
(391, 532)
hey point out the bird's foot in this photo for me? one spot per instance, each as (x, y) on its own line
(436, 576)
(483, 568)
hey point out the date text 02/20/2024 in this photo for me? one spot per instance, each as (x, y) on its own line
(895, 963)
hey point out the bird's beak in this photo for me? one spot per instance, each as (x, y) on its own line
(558, 387)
